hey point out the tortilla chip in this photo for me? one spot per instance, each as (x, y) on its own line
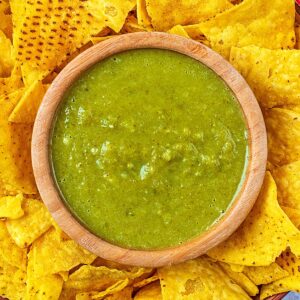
(179, 30)
(36, 220)
(149, 292)
(142, 14)
(115, 288)
(16, 173)
(297, 32)
(6, 59)
(124, 294)
(241, 279)
(26, 109)
(283, 128)
(131, 25)
(291, 283)
(287, 178)
(5, 18)
(10, 84)
(252, 22)
(39, 52)
(293, 214)
(11, 207)
(265, 233)
(9, 251)
(265, 275)
(12, 281)
(198, 279)
(272, 74)
(146, 281)
(91, 279)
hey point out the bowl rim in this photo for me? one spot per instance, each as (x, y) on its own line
(244, 199)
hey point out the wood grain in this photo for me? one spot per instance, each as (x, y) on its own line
(243, 201)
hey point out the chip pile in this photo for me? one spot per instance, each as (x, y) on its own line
(260, 38)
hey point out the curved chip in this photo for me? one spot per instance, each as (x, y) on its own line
(165, 14)
(252, 22)
(149, 292)
(272, 74)
(142, 14)
(264, 234)
(198, 279)
(11, 207)
(283, 129)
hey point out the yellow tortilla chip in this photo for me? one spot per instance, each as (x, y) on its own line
(142, 14)
(40, 51)
(9, 251)
(91, 279)
(117, 287)
(179, 30)
(5, 18)
(8, 85)
(46, 287)
(283, 128)
(6, 59)
(265, 233)
(289, 262)
(16, 173)
(12, 281)
(252, 22)
(265, 275)
(198, 279)
(272, 74)
(32, 225)
(53, 253)
(11, 207)
(241, 279)
(26, 109)
(149, 292)
(293, 214)
(131, 25)
(165, 14)
(146, 281)
(124, 294)
(287, 178)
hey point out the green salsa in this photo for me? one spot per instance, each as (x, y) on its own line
(149, 148)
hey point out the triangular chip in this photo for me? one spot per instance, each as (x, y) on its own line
(272, 74)
(90, 279)
(265, 275)
(11, 207)
(179, 30)
(26, 109)
(9, 251)
(198, 279)
(142, 14)
(63, 27)
(16, 173)
(32, 225)
(53, 253)
(149, 292)
(165, 14)
(8, 85)
(131, 25)
(241, 279)
(6, 59)
(268, 24)
(264, 234)
(287, 178)
(283, 128)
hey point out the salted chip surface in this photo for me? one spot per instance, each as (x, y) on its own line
(266, 274)
(6, 58)
(9, 251)
(149, 292)
(252, 22)
(198, 279)
(241, 279)
(287, 178)
(26, 109)
(165, 14)
(16, 173)
(272, 74)
(263, 235)
(52, 253)
(91, 279)
(11, 207)
(32, 225)
(63, 28)
(283, 129)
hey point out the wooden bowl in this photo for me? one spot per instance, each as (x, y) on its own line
(243, 201)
